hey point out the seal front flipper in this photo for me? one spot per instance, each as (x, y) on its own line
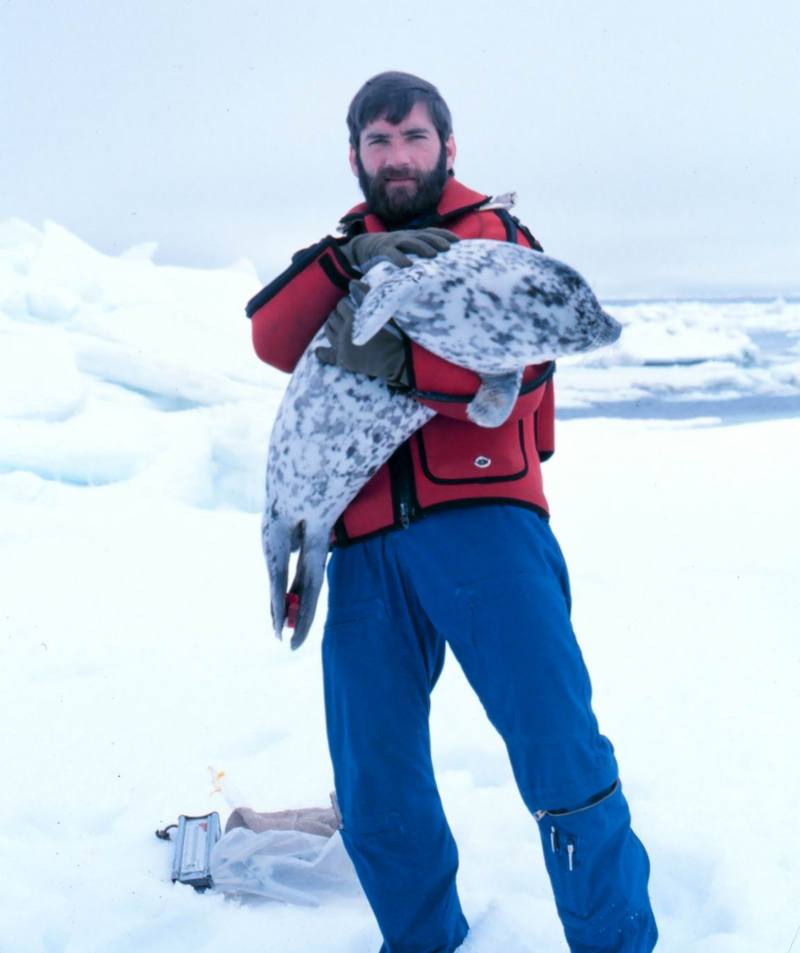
(495, 399)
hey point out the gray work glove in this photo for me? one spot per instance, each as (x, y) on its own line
(383, 356)
(425, 242)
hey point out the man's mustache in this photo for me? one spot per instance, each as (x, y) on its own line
(389, 175)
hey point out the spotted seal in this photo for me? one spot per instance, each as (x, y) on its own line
(492, 307)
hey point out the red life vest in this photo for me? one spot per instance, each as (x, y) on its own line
(450, 461)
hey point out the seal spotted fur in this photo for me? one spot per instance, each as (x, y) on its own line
(489, 306)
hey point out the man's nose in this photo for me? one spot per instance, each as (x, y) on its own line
(397, 154)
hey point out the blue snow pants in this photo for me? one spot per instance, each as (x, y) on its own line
(490, 581)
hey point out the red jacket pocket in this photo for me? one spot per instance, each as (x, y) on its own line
(450, 451)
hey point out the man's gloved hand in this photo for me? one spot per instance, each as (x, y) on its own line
(383, 356)
(425, 242)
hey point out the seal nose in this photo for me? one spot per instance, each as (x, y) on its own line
(608, 331)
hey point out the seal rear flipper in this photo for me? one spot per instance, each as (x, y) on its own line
(307, 581)
(278, 540)
(495, 399)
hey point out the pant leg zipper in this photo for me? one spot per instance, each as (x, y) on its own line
(540, 815)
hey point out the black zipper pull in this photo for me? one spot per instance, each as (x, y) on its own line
(404, 518)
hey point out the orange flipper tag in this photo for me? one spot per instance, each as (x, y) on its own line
(292, 608)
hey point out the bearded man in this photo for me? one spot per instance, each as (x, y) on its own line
(449, 543)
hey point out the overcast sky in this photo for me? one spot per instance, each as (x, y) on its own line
(654, 146)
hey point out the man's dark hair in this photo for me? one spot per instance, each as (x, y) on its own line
(392, 96)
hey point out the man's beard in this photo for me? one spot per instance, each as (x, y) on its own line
(398, 205)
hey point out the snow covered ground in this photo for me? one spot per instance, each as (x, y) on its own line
(134, 643)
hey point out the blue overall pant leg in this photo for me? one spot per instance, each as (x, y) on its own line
(491, 582)
(381, 660)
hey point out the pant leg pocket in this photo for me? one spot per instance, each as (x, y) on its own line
(388, 824)
(565, 867)
(354, 612)
(374, 840)
(599, 871)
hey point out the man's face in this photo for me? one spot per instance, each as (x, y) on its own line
(402, 169)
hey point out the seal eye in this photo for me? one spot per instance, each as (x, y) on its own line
(482, 462)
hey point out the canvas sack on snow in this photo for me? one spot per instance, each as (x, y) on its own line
(294, 856)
